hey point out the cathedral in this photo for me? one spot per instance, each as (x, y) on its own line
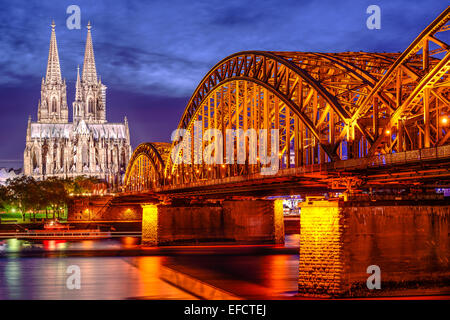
(89, 145)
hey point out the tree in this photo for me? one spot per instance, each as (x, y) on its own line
(81, 185)
(5, 199)
(56, 195)
(23, 192)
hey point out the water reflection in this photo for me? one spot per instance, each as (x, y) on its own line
(242, 274)
(16, 246)
(101, 278)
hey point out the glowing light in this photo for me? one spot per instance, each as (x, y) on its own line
(388, 132)
(320, 245)
(149, 224)
(444, 120)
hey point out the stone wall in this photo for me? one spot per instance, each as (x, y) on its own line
(258, 221)
(103, 208)
(339, 241)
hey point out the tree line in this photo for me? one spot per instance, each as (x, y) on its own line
(28, 195)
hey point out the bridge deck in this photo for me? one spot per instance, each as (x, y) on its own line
(402, 169)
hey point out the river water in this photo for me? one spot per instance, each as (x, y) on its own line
(237, 272)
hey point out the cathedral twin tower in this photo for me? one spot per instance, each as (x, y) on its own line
(89, 145)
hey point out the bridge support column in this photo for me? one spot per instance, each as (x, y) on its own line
(407, 240)
(322, 262)
(150, 224)
(254, 220)
(239, 221)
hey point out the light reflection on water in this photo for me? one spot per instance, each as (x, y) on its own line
(134, 277)
(15, 245)
(101, 278)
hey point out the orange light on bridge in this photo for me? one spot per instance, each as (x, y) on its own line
(388, 132)
(444, 120)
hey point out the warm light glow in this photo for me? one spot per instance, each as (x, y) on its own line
(444, 120)
(149, 224)
(321, 232)
(388, 131)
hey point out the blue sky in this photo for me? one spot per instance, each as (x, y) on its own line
(152, 54)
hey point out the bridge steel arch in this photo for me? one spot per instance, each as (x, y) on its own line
(292, 82)
(146, 167)
(327, 106)
(419, 93)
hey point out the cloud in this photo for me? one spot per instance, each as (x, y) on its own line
(167, 46)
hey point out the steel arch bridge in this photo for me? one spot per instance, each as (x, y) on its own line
(327, 107)
(146, 166)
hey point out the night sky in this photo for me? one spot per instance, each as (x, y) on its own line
(152, 54)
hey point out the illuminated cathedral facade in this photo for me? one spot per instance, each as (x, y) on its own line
(88, 146)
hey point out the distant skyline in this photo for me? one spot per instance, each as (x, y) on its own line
(152, 54)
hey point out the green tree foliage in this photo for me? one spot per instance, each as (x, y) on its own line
(5, 199)
(22, 193)
(81, 185)
(53, 195)
(28, 195)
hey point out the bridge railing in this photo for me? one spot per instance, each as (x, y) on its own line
(427, 154)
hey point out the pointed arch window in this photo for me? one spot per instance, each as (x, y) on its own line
(91, 106)
(85, 156)
(35, 159)
(54, 105)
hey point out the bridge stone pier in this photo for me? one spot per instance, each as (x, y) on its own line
(239, 221)
(408, 241)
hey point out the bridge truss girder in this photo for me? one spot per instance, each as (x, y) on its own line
(327, 106)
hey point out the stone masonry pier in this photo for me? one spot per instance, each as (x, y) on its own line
(408, 241)
(242, 221)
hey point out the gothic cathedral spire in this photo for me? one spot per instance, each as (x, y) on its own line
(53, 73)
(52, 107)
(78, 89)
(90, 96)
(89, 70)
